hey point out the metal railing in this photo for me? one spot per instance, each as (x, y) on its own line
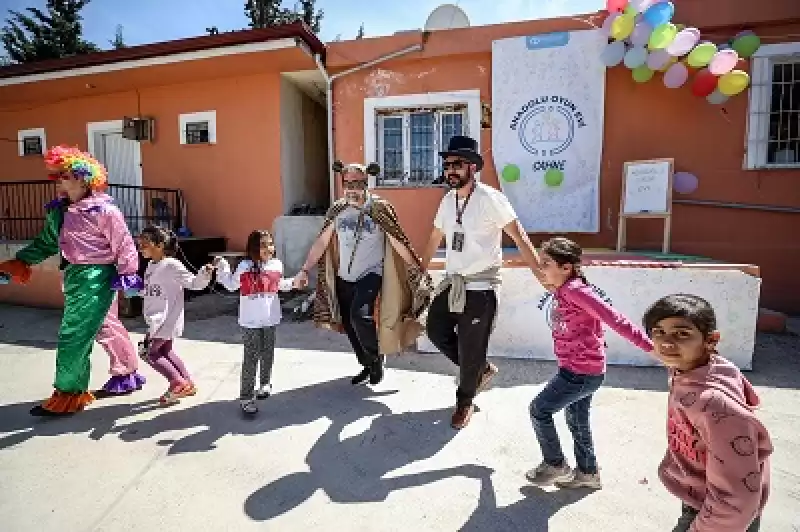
(22, 204)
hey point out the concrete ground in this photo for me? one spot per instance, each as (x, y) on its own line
(323, 455)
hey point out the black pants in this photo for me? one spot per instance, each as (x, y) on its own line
(689, 513)
(357, 307)
(464, 338)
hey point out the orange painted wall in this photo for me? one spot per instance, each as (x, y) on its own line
(641, 122)
(231, 187)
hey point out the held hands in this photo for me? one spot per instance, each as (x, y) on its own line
(16, 271)
(300, 280)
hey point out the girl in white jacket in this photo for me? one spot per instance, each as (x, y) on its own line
(258, 278)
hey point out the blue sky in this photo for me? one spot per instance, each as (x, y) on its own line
(146, 21)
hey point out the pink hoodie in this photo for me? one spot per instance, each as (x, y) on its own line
(718, 452)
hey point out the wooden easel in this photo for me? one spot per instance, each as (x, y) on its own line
(652, 197)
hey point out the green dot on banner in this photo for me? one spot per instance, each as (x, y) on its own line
(511, 173)
(553, 177)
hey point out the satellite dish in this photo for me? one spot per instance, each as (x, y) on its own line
(446, 17)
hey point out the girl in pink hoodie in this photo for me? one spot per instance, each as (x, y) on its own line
(717, 460)
(576, 318)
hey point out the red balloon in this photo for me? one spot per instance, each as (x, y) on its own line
(616, 5)
(704, 83)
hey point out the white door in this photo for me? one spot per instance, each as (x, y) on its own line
(121, 158)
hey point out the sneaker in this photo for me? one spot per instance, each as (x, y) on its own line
(248, 406)
(581, 480)
(376, 373)
(168, 398)
(361, 377)
(187, 390)
(487, 376)
(264, 392)
(461, 416)
(546, 474)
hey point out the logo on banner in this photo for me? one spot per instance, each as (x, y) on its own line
(546, 127)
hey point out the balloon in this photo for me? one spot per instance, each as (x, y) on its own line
(511, 173)
(622, 27)
(659, 14)
(684, 182)
(641, 34)
(717, 98)
(615, 5)
(642, 74)
(702, 54)
(635, 57)
(613, 53)
(723, 62)
(733, 82)
(704, 83)
(747, 45)
(642, 5)
(630, 10)
(658, 59)
(553, 177)
(662, 36)
(608, 22)
(676, 76)
(683, 42)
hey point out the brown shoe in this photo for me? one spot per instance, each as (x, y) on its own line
(487, 376)
(462, 416)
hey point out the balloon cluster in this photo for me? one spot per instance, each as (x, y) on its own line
(644, 38)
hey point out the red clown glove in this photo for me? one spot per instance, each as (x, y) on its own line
(19, 271)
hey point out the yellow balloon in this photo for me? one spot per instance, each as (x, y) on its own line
(733, 82)
(622, 26)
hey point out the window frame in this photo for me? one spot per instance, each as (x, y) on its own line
(464, 102)
(24, 134)
(209, 117)
(760, 101)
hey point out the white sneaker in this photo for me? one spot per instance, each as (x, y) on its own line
(545, 474)
(249, 406)
(264, 392)
(581, 480)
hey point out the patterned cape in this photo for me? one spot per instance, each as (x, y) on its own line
(405, 291)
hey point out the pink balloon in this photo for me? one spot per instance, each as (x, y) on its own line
(684, 42)
(615, 5)
(723, 62)
(684, 183)
(608, 22)
(641, 34)
(675, 76)
(658, 59)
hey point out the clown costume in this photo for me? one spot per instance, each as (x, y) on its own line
(98, 259)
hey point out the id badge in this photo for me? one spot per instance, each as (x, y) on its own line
(458, 241)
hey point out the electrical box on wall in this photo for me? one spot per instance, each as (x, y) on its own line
(138, 128)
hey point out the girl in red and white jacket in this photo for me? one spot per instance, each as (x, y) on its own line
(258, 278)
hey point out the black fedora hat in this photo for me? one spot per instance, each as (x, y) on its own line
(465, 147)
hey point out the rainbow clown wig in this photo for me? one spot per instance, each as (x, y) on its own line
(72, 163)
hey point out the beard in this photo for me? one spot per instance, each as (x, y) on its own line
(455, 181)
(354, 196)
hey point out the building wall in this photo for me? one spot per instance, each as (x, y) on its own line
(303, 148)
(642, 121)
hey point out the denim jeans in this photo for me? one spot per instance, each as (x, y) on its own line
(574, 392)
(688, 515)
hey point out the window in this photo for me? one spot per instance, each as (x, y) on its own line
(199, 128)
(31, 142)
(405, 134)
(774, 114)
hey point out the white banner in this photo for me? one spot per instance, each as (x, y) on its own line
(548, 95)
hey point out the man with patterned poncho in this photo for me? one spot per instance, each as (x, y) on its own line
(370, 284)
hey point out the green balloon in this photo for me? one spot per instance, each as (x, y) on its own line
(746, 45)
(553, 177)
(642, 74)
(511, 173)
(701, 55)
(662, 36)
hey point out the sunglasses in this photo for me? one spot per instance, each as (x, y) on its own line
(354, 185)
(455, 165)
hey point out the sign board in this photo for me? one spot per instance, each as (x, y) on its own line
(646, 193)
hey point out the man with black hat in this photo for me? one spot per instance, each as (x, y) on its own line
(369, 257)
(472, 218)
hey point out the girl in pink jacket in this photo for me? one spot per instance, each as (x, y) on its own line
(717, 460)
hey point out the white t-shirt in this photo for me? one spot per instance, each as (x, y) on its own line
(162, 305)
(483, 219)
(259, 305)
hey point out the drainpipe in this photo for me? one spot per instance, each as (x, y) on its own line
(329, 100)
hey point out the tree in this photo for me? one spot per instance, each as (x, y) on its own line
(360, 34)
(266, 13)
(118, 42)
(35, 35)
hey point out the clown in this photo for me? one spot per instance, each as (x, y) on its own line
(99, 259)
(370, 284)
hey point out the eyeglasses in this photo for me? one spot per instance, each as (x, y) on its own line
(354, 185)
(458, 164)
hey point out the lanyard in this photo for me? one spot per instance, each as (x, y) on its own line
(460, 212)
